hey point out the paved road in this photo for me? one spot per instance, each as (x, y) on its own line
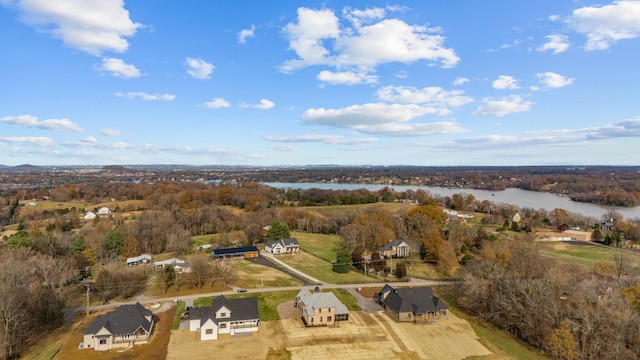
(311, 280)
(263, 260)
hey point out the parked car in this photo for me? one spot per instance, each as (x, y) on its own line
(242, 290)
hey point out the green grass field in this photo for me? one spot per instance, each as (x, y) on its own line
(252, 276)
(584, 254)
(321, 269)
(320, 245)
(267, 302)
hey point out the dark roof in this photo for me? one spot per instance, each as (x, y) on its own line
(238, 250)
(389, 246)
(240, 309)
(126, 319)
(418, 300)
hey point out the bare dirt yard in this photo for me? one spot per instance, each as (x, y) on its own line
(364, 336)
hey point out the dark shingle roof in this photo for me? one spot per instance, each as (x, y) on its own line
(240, 309)
(389, 246)
(126, 319)
(418, 300)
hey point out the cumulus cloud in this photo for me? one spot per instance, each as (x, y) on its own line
(264, 104)
(244, 34)
(217, 103)
(555, 43)
(318, 39)
(92, 26)
(28, 140)
(382, 119)
(553, 80)
(504, 106)
(505, 82)
(48, 124)
(460, 81)
(432, 96)
(118, 68)
(605, 25)
(199, 69)
(346, 77)
(145, 96)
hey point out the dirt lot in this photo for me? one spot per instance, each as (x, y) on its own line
(364, 336)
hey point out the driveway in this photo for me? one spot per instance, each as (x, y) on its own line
(366, 304)
(266, 262)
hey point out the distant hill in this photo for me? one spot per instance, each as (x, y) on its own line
(25, 168)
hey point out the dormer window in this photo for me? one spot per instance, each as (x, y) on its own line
(223, 314)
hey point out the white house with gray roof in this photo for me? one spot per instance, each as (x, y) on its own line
(320, 308)
(124, 327)
(282, 246)
(225, 316)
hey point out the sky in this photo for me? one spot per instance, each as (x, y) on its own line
(273, 83)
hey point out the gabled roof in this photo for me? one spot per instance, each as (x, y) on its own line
(418, 300)
(390, 245)
(240, 309)
(324, 300)
(284, 242)
(139, 258)
(126, 319)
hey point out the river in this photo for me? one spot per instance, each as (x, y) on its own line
(517, 197)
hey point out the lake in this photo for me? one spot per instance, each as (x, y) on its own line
(517, 197)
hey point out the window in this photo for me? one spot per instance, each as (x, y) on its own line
(224, 314)
(223, 325)
(312, 320)
(320, 318)
(320, 310)
(208, 331)
(103, 341)
(328, 318)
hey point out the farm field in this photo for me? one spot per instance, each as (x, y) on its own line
(584, 253)
(320, 245)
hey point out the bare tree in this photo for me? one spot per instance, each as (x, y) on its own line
(200, 268)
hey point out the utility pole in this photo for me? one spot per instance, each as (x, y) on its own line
(88, 289)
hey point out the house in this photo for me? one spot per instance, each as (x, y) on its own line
(104, 211)
(89, 215)
(320, 308)
(282, 246)
(411, 304)
(205, 247)
(516, 218)
(245, 252)
(142, 259)
(225, 316)
(566, 235)
(180, 266)
(395, 248)
(124, 327)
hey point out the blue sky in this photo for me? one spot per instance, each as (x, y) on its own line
(499, 82)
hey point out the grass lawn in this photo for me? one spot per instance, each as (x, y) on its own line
(584, 254)
(251, 275)
(341, 210)
(346, 298)
(181, 307)
(321, 269)
(267, 302)
(320, 245)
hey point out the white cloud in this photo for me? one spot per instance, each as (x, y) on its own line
(432, 96)
(244, 34)
(145, 96)
(92, 26)
(605, 25)
(90, 140)
(199, 69)
(505, 106)
(505, 82)
(118, 68)
(48, 124)
(346, 77)
(217, 103)
(382, 119)
(555, 43)
(28, 140)
(553, 80)
(264, 104)
(460, 81)
(317, 39)
(110, 132)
